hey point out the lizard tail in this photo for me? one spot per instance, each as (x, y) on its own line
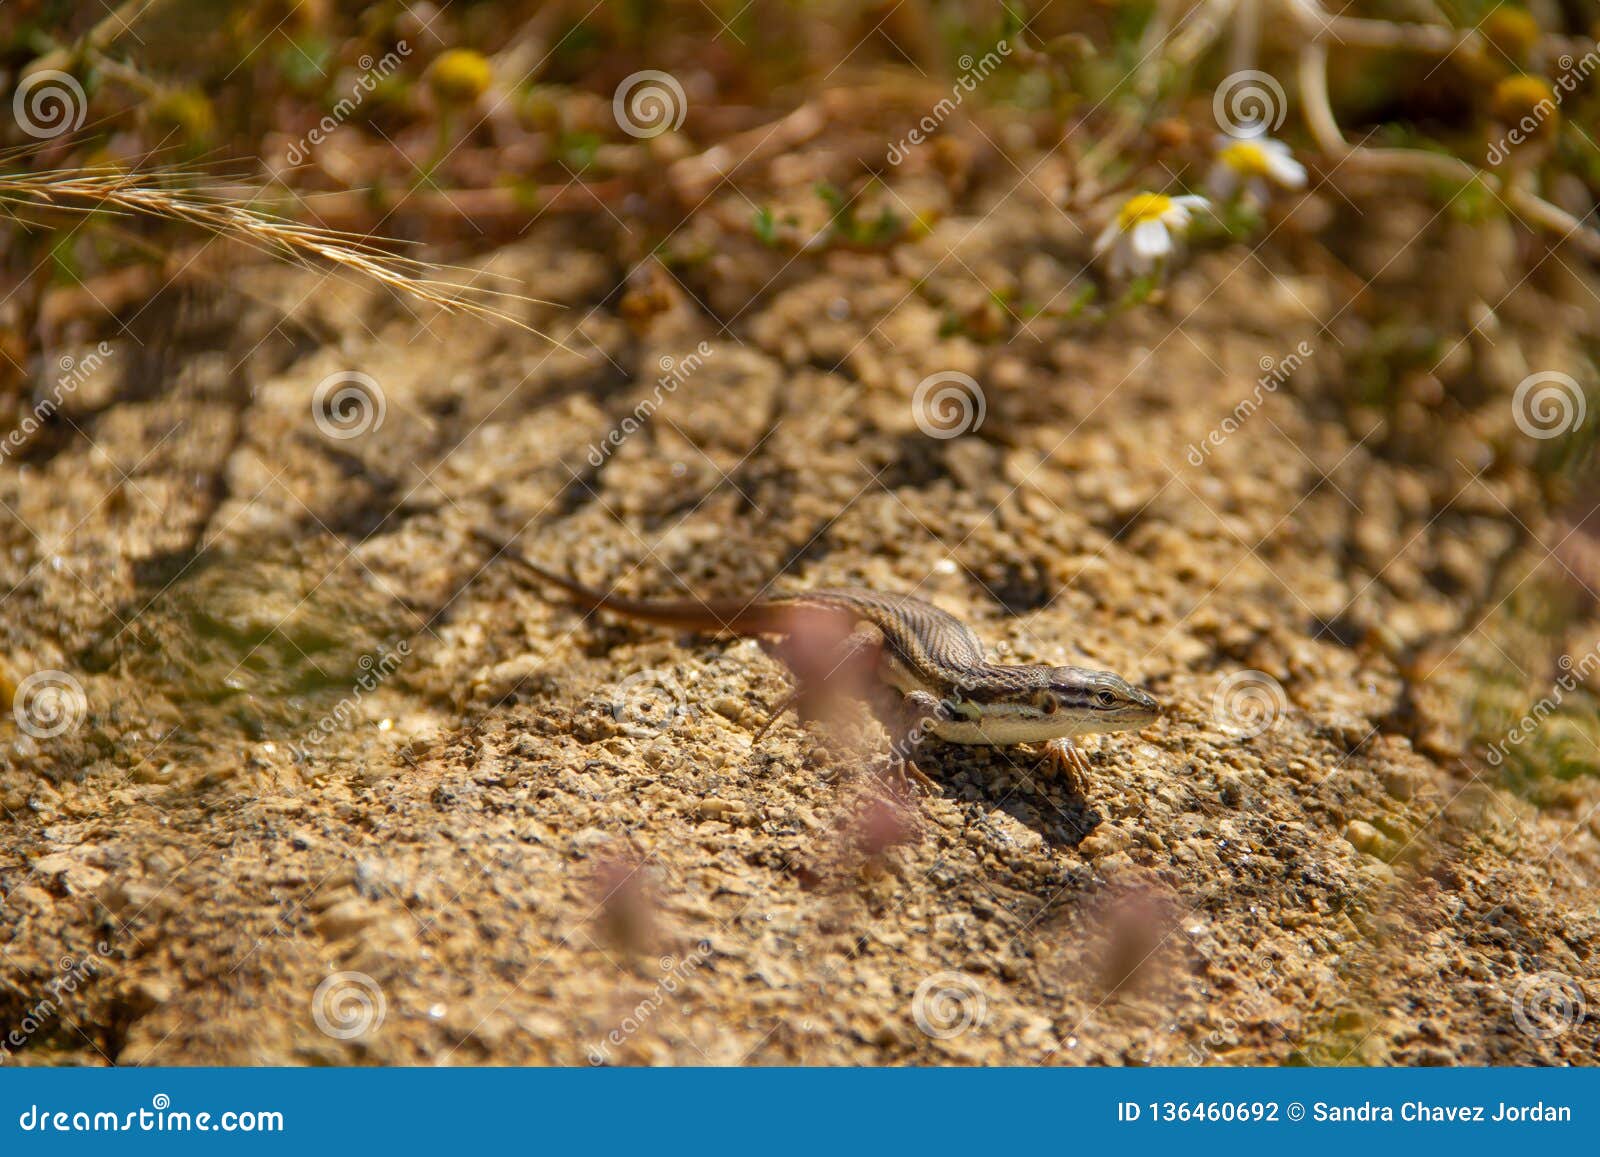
(713, 616)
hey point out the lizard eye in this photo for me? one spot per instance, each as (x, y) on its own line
(1105, 699)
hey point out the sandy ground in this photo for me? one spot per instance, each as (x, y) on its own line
(523, 838)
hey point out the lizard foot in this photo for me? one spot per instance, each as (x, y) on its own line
(1068, 759)
(909, 773)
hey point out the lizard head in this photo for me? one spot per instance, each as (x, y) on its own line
(1086, 701)
(1034, 704)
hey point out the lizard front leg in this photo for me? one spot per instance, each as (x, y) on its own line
(916, 710)
(1068, 758)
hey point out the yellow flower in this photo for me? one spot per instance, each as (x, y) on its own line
(1250, 165)
(1142, 207)
(1143, 233)
(1513, 32)
(460, 76)
(1527, 102)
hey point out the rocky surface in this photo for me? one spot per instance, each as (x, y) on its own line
(343, 791)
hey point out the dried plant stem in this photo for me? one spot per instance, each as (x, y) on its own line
(105, 33)
(1320, 26)
(1147, 78)
(695, 176)
(1521, 200)
(1200, 31)
(528, 50)
(1245, 46)
(1356, 32)
(123, 74)
(1086, 174)
(106, 190)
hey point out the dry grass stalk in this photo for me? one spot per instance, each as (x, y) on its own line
(100, 190)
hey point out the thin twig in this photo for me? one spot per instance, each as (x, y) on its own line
(107, 32)
(1318, 110)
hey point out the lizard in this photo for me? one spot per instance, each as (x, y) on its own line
(928, 666)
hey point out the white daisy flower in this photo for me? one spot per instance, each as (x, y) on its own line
(1248, 166)
(1145, 231)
